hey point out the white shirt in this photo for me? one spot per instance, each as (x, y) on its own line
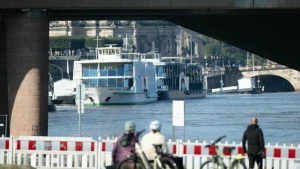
(147, 144)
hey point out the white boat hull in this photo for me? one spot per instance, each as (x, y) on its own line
(115, 96)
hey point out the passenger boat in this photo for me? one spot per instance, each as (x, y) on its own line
(113, 77)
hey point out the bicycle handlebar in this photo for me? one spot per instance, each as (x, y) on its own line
(216, 141)
(139, 133)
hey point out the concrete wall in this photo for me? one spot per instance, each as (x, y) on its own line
(230, 78)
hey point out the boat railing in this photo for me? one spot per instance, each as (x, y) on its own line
(162, 88)
(140, 56)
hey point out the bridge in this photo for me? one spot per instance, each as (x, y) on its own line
(265, 75)
(264, 27)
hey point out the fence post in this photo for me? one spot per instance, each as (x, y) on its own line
(99, 148)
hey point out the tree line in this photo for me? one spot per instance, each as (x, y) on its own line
(74, 43)
(219, 52)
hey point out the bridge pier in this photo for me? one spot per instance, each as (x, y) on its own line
(25, 59)
(3, 76)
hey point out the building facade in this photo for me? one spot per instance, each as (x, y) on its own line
(142, 36)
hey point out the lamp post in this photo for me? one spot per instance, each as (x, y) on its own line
(205, 77)
(221, 81)
(191, 50)
(62, 76)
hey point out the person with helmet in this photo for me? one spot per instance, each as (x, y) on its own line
(125, 143)
(153, 137)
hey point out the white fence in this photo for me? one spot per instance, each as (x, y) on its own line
(86, 153)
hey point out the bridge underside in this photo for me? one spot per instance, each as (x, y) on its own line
(272, 83)
(269, 33)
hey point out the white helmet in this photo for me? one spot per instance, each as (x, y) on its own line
(155, 125)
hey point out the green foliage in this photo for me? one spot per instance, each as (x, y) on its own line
(15, 167)
(227, 52)
(70, 42)
(60, 42)
(222, 50)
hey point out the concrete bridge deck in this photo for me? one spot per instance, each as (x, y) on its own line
(154, 4)
(264, 27)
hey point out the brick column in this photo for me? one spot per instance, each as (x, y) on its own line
(27, 41)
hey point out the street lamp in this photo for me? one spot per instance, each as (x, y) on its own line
(62, 76)
(221, 81)
(205, 77)
(191, 50)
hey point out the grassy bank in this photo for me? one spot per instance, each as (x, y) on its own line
(15, 167)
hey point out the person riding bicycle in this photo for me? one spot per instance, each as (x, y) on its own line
(153, 137)
(125, 143)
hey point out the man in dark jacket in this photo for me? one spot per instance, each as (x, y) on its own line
(256, 144)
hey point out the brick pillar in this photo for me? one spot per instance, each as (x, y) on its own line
(3, 80)
(27, 41)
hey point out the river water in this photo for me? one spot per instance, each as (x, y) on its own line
(205, 119)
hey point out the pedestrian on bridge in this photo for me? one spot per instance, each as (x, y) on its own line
(256, 144)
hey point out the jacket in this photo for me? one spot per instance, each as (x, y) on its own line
(147, 144)
(120, 152)
(255, 138)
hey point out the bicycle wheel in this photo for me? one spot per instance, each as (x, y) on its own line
(131, 163)
(168, 163)
(238, 164)
(211, 164)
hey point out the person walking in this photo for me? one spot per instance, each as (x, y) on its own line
(256, 144)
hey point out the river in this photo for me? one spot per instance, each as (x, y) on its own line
(205, 119)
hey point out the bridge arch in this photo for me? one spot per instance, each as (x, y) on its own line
(283, 80)
(273, 83)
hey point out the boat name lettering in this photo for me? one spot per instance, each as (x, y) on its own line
(114, 89)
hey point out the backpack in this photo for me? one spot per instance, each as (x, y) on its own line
(126, 139)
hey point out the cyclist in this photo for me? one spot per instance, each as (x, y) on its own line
(125, 143)
(153, 137)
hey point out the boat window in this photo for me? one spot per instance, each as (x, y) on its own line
(100, 52)
(103, 70)
(117, 51)
(112, 51)
(159, 71)
(112, 69)
(120, 82)
(103, 82)
(148, 56)
(120, 70)
(112, 82)
(109, 51)
(89, 70)
(128, 83)
(85, 70)
(128, 69)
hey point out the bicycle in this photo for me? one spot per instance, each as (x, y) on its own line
(139, 159)
(216, 162)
